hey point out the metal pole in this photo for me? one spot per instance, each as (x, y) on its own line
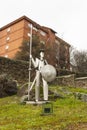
(30, 60)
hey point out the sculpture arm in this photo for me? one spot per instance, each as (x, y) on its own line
(35, 62)
(46, 62)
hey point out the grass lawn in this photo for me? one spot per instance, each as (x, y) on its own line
(66, 111)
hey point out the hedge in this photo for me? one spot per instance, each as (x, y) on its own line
(17, 70)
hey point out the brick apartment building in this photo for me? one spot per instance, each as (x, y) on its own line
(13, 34)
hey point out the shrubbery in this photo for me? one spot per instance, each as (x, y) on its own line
(8, 87)
(63, 72)
(80, 74)
(17, 70)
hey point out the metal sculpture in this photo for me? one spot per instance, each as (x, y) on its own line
(43, 69)
(47, 73)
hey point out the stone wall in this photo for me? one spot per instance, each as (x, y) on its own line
(18, 70)
(70, 80)
(81, 82)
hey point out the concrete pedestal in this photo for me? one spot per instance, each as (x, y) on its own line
(38, 102)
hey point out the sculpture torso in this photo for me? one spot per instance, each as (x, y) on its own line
(40, 63)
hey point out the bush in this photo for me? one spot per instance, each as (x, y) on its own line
(7, 87)
(80, 74)
(63, 72)
(15, 69)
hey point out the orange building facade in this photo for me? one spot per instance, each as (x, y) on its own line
(13, 34)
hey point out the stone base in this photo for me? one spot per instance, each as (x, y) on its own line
(37, 103)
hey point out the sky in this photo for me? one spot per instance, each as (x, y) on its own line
(67, 17)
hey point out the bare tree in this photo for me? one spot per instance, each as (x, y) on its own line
(79, 59)
(72, 52)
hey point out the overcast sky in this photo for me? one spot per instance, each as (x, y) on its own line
(67, 17)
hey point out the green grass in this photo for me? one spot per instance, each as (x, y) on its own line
(14, 116)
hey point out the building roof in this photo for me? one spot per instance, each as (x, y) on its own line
(49, 29)
(22, 18)
(45, 29)
(62, 41)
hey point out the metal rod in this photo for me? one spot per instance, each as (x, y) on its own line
(30, 50)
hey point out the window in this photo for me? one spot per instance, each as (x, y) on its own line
(66, 47)
(42, 33)
(43, 42)
(8, 38)
(35, 29)
(29, 35)
(56, 41)
(8, 30)
(6, 47)
(30, 25)
(6, 56)
(66, 61)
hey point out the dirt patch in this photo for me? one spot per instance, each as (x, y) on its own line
(77, 126)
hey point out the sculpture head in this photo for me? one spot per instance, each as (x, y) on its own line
(41, 54)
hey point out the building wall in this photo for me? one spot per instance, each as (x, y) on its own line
(11, 39)
(42, 35)
(13, 34)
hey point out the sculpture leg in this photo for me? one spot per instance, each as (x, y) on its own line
(37, 86)
(45, 89)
